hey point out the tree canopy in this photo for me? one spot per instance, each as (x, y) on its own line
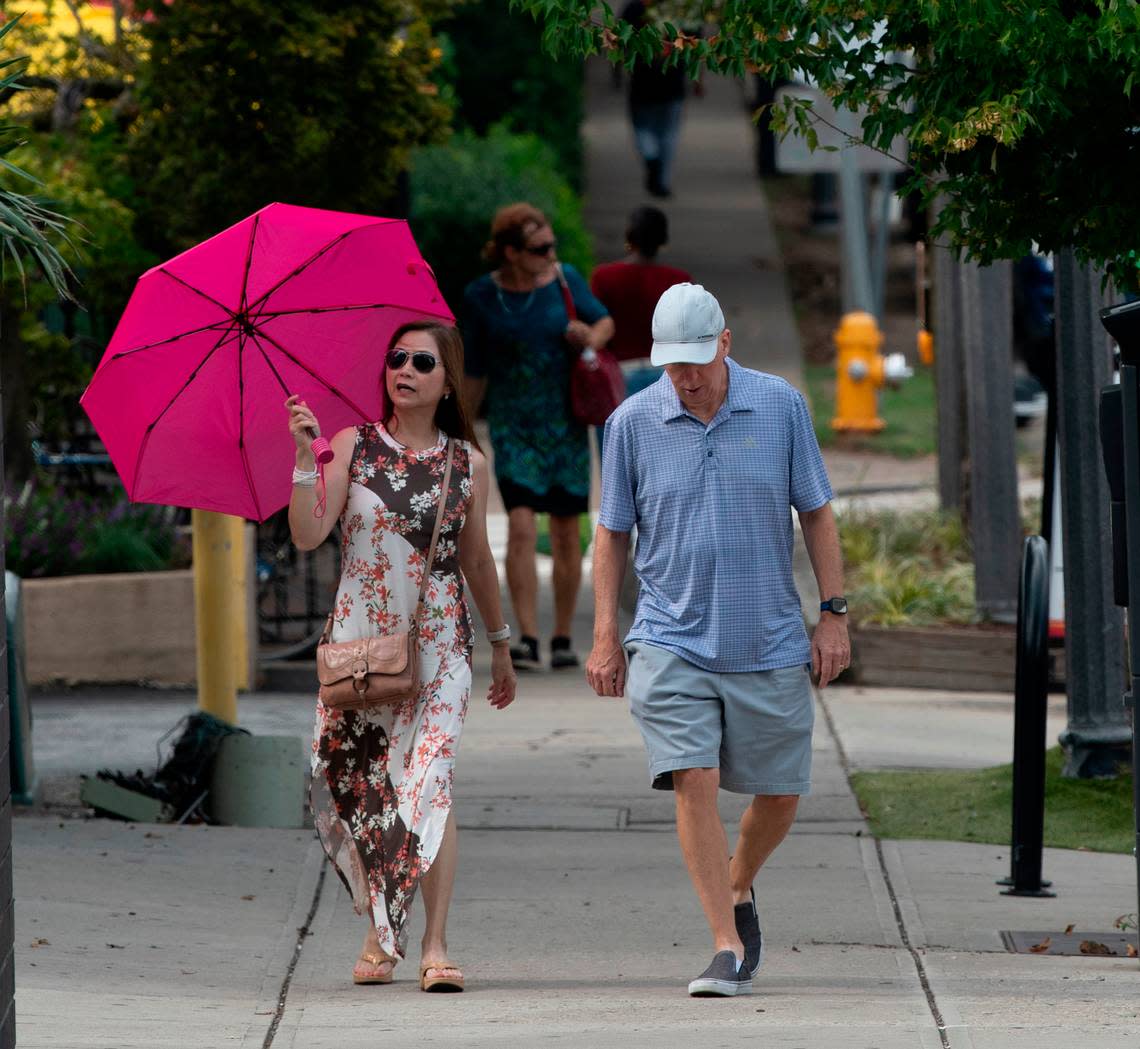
(1023, 115)
(244, 102)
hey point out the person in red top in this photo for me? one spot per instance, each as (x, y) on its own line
(629, 289)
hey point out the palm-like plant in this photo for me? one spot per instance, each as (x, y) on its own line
(26, 226)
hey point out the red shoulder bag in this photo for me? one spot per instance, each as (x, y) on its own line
(597, 385)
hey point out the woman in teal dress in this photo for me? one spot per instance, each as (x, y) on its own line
(520, 346)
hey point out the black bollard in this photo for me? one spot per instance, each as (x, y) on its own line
(1031, 691)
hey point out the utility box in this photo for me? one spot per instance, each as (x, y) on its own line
(259, 781)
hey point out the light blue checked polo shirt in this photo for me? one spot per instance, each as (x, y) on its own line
(714, 524)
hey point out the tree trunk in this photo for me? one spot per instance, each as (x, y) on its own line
(1098, 733)
(994, 511)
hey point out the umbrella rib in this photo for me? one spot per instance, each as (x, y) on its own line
(241, 427)
(304, 367)
(158, 418)
(301, 267)
(173, 338)
(346, 309)
(248, 264)
(197, 291)
(315, 256)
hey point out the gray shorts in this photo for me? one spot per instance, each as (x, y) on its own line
(754, 727)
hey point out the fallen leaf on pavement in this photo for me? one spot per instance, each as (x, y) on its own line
(1042, 947)
(118, 946)
(39, 941)
(247, 897)
(1131, 950)
(1095, 947)
(1069, 928)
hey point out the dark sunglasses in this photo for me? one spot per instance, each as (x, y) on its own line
(542, 249)
(422, 361)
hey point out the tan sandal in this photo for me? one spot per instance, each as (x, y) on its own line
(375, 961)
(440, 984)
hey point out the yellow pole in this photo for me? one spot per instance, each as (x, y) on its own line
(214, 606)
(241, 539)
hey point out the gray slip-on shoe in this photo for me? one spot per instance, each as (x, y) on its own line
(722, 979)
(748, 929)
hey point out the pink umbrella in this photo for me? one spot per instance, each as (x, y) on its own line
(188, 397)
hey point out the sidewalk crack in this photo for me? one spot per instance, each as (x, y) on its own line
(302, 934)
(904, 935)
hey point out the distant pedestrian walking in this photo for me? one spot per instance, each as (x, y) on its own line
(656, 98)
(382, 777)
(708, 467)
(520, 346)
(630, 289)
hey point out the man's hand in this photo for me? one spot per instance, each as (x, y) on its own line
(830, 648)
(605, 669)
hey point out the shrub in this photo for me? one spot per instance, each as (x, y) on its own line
(499, 74)
(908, 568)
(456, 188)
(244, 102)
(49, 532)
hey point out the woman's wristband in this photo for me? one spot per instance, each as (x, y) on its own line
(499, 637)
(305, 478)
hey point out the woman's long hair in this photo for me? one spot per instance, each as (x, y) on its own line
(510, 227)
(451, 414)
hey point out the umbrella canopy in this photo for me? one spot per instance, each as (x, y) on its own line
(188, 397)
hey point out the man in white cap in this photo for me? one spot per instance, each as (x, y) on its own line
(708, 463)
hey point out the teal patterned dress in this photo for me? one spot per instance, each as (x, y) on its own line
(515, 341)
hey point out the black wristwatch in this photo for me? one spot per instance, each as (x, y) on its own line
(835, 605)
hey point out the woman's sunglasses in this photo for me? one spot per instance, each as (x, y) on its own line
(542, 249)
(422, 361)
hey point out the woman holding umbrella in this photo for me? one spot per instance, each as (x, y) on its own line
(382, 778)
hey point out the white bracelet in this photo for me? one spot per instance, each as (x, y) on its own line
(305, 478)
(498, 636)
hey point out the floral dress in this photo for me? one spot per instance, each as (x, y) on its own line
(382, 779)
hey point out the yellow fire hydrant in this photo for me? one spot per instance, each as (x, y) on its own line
(860, 372)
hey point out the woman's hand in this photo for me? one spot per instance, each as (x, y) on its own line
(578, 333)
(304, 427)
(502, 690)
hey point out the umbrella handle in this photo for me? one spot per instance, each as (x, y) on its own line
(322, 450)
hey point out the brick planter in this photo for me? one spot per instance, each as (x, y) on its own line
(125, 627)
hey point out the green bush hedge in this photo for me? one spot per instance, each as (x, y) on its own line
(499, 73)
(456, 189)
(51, 532)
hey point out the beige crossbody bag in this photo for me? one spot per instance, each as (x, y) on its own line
(378, 671)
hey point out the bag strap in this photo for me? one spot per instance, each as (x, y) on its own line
(445, 488)
(567, 296)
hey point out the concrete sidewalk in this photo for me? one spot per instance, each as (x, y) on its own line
(573, 915)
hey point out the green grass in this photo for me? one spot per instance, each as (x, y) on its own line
(542, 525)
(975, 806)
(909, 413)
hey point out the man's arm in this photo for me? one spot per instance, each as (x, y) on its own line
(605, 669)
(830, 646)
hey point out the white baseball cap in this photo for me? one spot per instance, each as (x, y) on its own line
(686, 325)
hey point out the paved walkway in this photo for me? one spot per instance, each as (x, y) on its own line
(573, 916)
(718, 216)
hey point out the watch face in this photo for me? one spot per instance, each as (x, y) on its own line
(839, 605)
